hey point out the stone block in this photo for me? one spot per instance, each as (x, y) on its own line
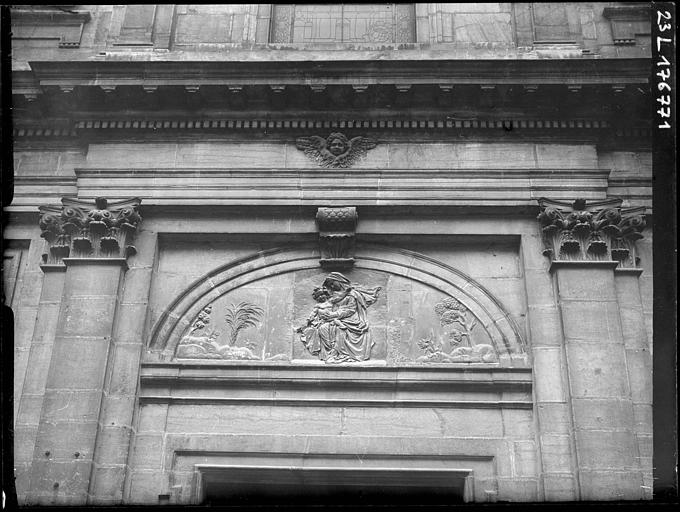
(24, 443)
(445, 422)
(24, 322)
(233, 155)
(46, 324)
(559, 487)
(131, 155)
(554, 418)
(645, 445)
(92, 280)
(137, 285)
(585, 283)
(22, 480)
(78, 363)
(544, 326)
(152, 417)
(52, 287)
(72, 476)
(556, 453)
(518, 423)
(549, 374)
(640, 375)
(129, 326)
(602, 414)
(39, 363)
(457, 8)
(63, 439)
(633, 327)
(125, 372)
(642, 417)
(517, 489)
(253, 420)
(597, 322)
(611, 485)
(525, 459)
(461, 156)
(117, 410)
(605, 450)
(107, 485)
(492, 28)
(30, 408)
(147, 452)
(145, 486)
(91, 316)
(597, 371)
(563, 156)
(68, 405)
(113, 443)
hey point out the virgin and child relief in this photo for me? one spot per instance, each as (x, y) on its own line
(364, 316)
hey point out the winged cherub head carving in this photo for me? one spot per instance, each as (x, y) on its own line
(336, 150)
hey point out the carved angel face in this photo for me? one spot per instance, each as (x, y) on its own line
(337, 146)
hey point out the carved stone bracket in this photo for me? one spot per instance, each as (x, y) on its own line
(599, 231)
(81, 229)
(337, 227)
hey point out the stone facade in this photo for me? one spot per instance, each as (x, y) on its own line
(388, 248)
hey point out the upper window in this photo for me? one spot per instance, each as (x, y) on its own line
(343, 23)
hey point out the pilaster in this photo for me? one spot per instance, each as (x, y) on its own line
(586, 243)
(92, 241)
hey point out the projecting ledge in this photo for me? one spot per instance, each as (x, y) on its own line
(557, 264)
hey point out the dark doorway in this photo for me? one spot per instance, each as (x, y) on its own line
(296, 487)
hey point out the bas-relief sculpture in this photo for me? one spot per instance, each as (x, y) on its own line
(335, 151)
(458, 324)
(337, 330)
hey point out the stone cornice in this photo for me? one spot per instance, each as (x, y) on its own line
(350, 72)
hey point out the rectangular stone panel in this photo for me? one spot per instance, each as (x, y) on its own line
(556, 453)
(610, 485)
(602, 414)
(597, 371)
(147, 451)
(444, 422)
(253, 420)
(113, 442)
(63, 439)
(605, 450)
(78, 363)
(554, 417)
(548, 374)
(131, 155)
(586, 283)
(563, 156)
(544, 326)
(461, 156)
(639, 364)
(87, 316)
(152, 417)
(490, 28)
(594, 322)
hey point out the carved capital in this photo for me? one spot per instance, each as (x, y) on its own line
(337, 228)
(82, 229)
(596, 231)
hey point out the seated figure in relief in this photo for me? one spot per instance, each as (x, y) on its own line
(337, 330)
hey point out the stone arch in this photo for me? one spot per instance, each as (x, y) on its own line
(176, 319)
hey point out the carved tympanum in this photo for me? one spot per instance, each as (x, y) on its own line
(337, 227)
(337, 330)
(83, 229)
(336, 150)
(598, 231)
(458, 324)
